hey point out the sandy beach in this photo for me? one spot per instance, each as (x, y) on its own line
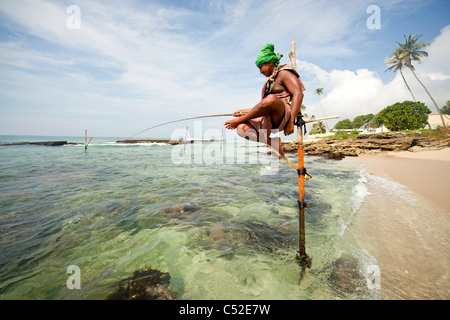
(409, 234)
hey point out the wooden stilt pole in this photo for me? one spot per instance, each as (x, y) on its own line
(185, 138)
(221, 141)
(302, 256)
(86, 143)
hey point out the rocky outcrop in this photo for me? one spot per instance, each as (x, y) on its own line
(369, 144)
(41, 143)
(171, 142)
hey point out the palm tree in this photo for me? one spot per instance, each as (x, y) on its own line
(396, 64)
(411, 51)
(319, 91)
(303, 108)
(446, 108)
(318, 127)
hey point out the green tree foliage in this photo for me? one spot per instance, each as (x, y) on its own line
(376, 122)
(319, 92)
(357, 123)
(396, 64)
(344, 124)
(318, 127)
(407, 115)
(410, 51)
(360, 121)
(446, 109)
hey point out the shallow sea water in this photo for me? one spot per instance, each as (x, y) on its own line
(222, 229)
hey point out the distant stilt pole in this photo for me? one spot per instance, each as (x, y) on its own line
(221, 140)
(185, 137)
(86, 143)
(85, 140)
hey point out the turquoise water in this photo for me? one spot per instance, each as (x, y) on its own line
(222, 227)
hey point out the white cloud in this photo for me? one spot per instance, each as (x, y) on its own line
(149, 61)
(352, 93)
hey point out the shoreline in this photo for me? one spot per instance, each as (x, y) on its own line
(426, 173)
(406, 228)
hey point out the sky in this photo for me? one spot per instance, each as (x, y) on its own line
(118, 67)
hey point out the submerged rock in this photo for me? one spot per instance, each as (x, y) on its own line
(180, 211)
(239, 237)
(346, 275)
(335, 155)
(191, 215)
(144, 284)
(260, 235)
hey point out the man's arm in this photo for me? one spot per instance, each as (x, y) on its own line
(292, 84)
(241, 112)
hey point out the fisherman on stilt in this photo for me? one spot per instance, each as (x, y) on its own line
(281, 99)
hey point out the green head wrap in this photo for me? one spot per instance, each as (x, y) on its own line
(267, 54)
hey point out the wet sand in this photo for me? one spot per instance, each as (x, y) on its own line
(407, 227)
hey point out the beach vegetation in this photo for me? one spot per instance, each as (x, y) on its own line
(303, 108)
(318, 128)
(344, 124)
(396, 64)
(358, 122)
(405, 54)
(407, 115)
(446, 108)
(341, 134)
(362, 120)
(319, 92)
(375, 122)
(440, 133)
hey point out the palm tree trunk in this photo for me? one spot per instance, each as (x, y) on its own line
(439, 110)
(428, 123)
(326, 123)
(407, 85)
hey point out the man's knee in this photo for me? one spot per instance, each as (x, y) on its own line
(273, 104)
(271, 100)
(242, 128)
(245, 131)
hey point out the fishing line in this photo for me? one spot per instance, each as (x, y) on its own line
(228, 115)
(185, 119)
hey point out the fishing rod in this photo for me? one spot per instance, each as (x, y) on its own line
(229, 115)
(185, 119)
(217, 115)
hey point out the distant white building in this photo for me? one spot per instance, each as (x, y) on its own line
(435, 120)
(365, 129)
(379, 129)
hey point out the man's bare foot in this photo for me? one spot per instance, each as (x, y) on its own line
(232, 124)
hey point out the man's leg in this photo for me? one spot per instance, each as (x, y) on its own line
(247, 131)
(270, 105)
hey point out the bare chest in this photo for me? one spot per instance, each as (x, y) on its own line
(278, 86)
